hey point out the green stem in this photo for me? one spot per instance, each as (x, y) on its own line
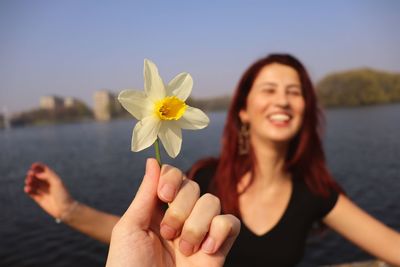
(157, 149)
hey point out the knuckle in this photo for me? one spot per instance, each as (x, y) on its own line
(193, 233)
(212, 200)
(222, 222)
(212, 203)
(175, 215)
(234, 220)
(168, 171)
(177, 173)
(194, 187)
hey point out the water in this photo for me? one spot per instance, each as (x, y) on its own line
(94, 159)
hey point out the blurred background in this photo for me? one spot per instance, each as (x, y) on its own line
(63, 62)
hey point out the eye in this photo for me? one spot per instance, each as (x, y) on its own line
(268, 90)
(295, 91)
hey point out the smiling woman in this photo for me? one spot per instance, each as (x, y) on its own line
(277, 96)
(282, 186)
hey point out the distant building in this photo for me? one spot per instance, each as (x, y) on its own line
(70, 102)
(4, 119)
(51, 102)
(106, 105)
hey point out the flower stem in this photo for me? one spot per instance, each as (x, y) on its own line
(157, 149)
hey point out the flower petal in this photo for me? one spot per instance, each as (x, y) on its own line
(193, 119)
(136, 103)
(153, 85)
(180, 86)
(171, 137)
(145, 133)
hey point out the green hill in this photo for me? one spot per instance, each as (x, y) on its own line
(359, 87)
(39, 116)
(210, 104)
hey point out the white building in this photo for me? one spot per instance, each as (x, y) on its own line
(51, 102)
(106, 105)
(70, 102)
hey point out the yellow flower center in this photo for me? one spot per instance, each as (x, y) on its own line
(170, 108)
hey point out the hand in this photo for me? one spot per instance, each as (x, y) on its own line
(46, 188)
(190, 233)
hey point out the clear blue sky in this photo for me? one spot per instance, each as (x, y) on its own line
(72, 48)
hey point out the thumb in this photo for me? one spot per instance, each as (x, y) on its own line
(141, 209)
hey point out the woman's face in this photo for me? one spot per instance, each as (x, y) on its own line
(275, 104)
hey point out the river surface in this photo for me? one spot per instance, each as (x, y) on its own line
(95, 162)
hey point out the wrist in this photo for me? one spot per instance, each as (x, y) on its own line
(67, 213)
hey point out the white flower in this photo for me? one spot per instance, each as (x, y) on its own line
(162, 111)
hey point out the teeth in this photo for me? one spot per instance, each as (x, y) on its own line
(279, 117)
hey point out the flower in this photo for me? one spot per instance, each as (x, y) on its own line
(162, 111)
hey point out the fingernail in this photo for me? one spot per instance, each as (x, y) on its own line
(167, 231)
(167, 192)
(186, 248)
(208, 245)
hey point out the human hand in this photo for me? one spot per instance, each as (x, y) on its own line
(190, 233)
(46, 188)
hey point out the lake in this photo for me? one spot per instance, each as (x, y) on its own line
(95, 162)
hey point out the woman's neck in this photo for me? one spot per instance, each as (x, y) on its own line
(269, 169)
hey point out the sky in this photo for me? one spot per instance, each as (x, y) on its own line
(73, 48)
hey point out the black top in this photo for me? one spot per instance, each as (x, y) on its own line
(284, 244)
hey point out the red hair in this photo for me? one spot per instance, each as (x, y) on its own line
(305, 157)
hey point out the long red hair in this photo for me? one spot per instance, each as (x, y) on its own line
(305, 158)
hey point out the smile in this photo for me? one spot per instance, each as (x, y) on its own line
(279, 117)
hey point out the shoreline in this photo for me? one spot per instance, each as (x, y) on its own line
(371, 263)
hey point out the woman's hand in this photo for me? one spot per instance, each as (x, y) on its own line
(190, 233)
(46, 188)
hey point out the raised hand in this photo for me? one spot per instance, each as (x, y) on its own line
(190, 233)
(46, 188)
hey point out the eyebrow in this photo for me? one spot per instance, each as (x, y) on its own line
(275, 85)
(268, 83)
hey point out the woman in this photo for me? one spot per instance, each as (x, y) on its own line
(271, 174)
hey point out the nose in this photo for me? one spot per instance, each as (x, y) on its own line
(281, 99)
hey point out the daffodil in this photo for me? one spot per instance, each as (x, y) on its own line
(161, 111)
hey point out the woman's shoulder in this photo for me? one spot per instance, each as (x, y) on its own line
(316, 202)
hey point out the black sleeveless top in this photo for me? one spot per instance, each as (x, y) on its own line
(284, 244)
